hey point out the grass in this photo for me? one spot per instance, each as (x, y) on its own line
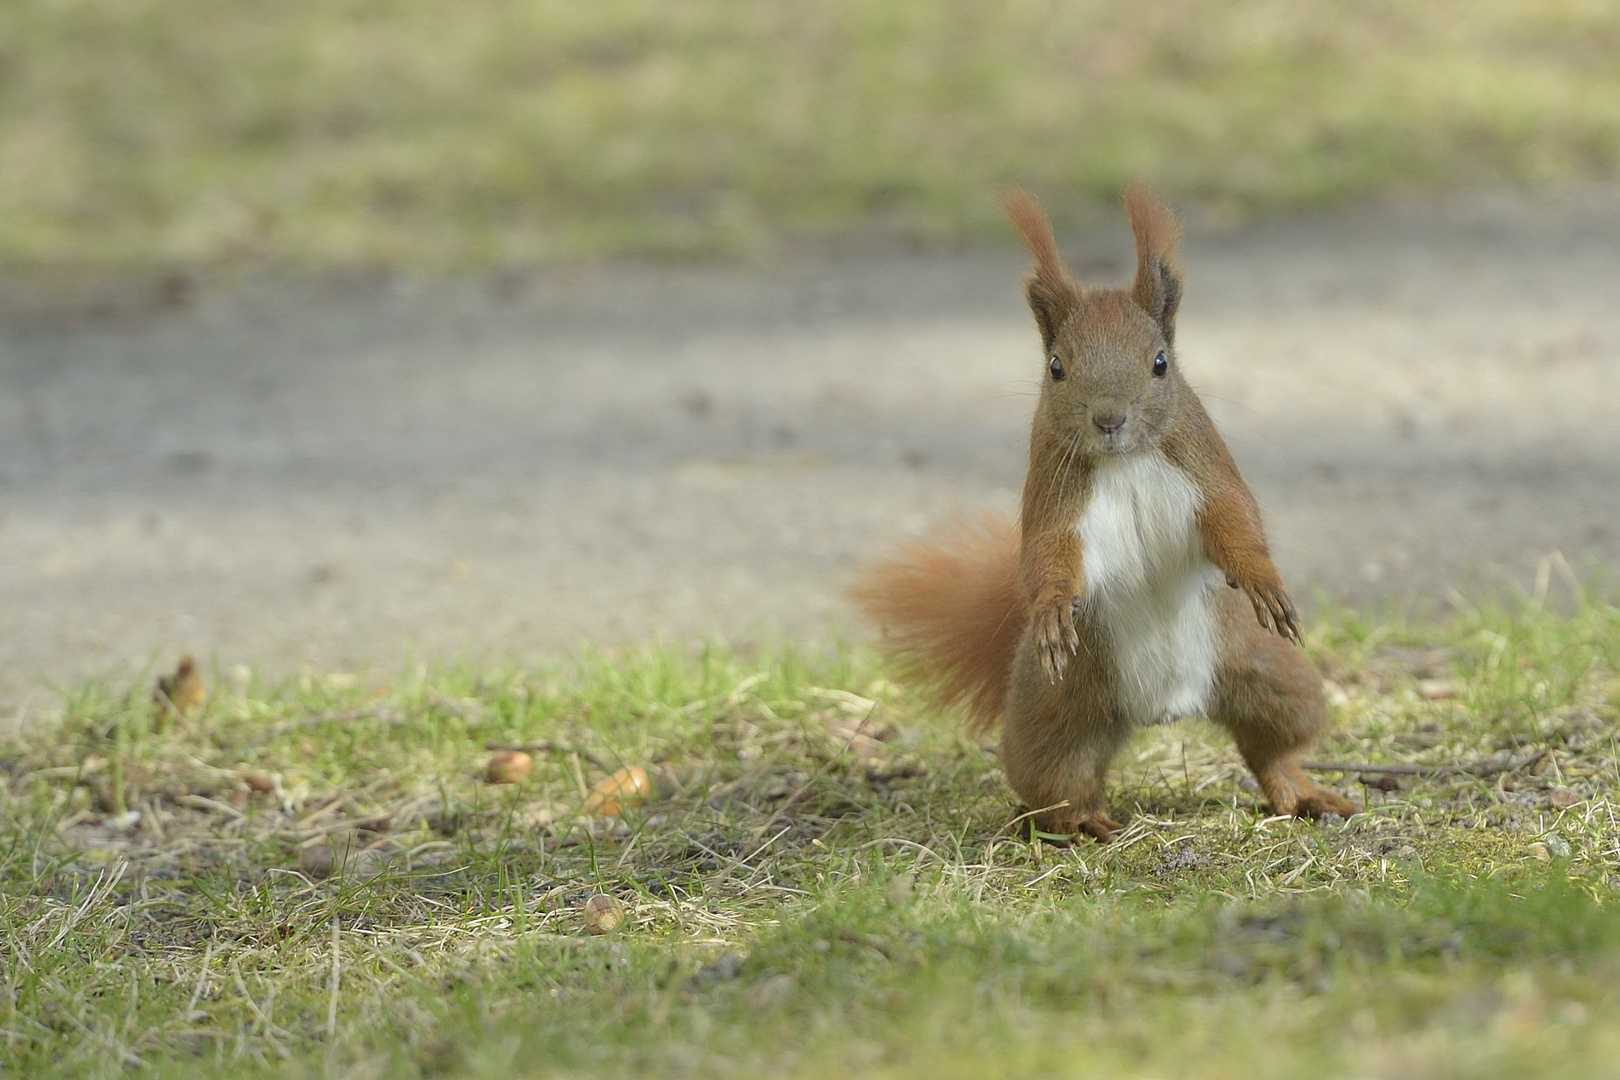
(822, 881)
(160, 133)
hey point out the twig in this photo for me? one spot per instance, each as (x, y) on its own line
(1388, 770)
(1482, 770)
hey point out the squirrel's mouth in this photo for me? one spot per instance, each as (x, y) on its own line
(1115, 442)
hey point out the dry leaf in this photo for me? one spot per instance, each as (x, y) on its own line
(630, 786)
(508, 767)
(860, 741)
(181, 692)
(603, 914)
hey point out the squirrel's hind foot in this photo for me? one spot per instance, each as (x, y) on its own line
(1314, 804)
(1291, 792)
(1062, 830)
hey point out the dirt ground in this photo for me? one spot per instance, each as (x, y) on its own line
(351, 473)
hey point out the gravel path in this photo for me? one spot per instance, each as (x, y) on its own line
(349, 474)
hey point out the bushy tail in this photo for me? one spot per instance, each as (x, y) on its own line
(951, 610)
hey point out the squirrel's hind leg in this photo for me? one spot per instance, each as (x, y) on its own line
(1270, 698)
(1056, 745)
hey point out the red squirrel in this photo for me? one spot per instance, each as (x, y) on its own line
(1107, 608)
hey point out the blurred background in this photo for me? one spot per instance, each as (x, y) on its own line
(335, 334)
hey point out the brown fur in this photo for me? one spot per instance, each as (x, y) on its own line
(995, 621)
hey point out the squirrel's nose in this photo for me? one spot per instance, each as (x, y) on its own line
(1108, 422)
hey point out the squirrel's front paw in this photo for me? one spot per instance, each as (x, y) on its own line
(1055, 637)
(1271, 605)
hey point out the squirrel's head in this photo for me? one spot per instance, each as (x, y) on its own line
(1109, 373)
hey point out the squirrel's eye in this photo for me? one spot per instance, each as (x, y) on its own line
(1161, 364)
(1056, 367)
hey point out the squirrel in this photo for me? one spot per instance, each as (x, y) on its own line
(1104, 609)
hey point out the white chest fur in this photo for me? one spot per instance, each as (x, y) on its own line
(1150, 586)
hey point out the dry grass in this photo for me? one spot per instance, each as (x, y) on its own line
(821, 881)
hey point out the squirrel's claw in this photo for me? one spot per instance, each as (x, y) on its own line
(1056, 639)
(1274, 610)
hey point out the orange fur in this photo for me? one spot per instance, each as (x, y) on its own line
(952, 610)
(1052, 293)
(1026, 216)
(1156, 228)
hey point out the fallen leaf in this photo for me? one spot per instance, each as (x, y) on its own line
(181, 692)
(630, 786)
(508, 767)
(603, 914)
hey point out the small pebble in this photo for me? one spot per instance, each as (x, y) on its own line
(1563, 798)
(334, 853)
(1558, 846)
(370, 863)
(728, 966)
(770, 993)
(122, 822)
(315, 860)
(1539, 851)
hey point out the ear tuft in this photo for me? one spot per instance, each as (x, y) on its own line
(1051, 292)
(1157, 289)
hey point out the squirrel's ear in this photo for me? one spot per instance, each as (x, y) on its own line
(1052, 293)
(1158, 271)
